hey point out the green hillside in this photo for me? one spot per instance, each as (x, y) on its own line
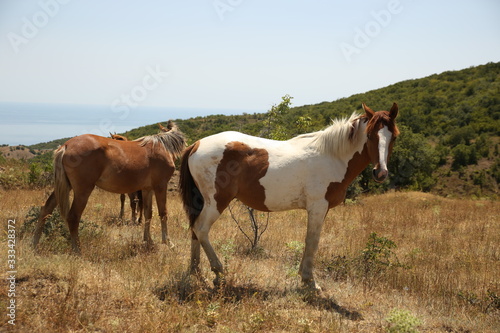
(438, 106)
(450, 130)
(450, 124)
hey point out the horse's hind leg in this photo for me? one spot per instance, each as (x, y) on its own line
(46, 210)
(200, 229)
(195, 254)
(80, 200)
(147, 197)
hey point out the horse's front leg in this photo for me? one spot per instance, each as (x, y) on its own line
(316, 217)
(161, 201)
(80, 199)
(133, 207)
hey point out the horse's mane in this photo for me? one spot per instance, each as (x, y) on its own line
(340, 138)
(174, 140)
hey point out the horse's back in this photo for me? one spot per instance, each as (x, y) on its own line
(116, 166)
(264, 174)
(84, 143)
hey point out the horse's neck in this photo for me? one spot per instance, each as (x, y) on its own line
(356, 165)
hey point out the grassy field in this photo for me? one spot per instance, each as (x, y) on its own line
(398, 262)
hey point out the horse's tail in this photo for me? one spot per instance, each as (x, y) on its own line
(191, 196)
(62, 187)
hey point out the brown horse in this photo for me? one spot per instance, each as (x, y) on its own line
(86, 161)
(135, 198)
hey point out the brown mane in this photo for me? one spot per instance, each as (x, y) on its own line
(174, 140)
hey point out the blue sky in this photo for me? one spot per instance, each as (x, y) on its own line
(232, 54)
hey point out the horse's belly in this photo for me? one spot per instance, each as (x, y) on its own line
(122, 182)
(283, 191)
(277, 204)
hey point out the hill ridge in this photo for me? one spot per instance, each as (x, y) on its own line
(450, 122)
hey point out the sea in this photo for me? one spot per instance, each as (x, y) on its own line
(32, 123)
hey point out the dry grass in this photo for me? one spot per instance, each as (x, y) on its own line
(449, 251)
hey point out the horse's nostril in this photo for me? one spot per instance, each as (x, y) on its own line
(379, 175)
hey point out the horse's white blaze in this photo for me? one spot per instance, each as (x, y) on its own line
(384, 139)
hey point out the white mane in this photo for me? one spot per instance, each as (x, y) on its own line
(173, 141)
(341, 138)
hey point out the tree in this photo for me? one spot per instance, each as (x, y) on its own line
(413, 161)
(463, 155)
(276, 128)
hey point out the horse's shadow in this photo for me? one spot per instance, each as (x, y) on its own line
(184, 290)
(329, 304)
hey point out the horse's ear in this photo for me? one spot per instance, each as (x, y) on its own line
(162, 128)
(170, 124)
(369, 112)
(393, 113)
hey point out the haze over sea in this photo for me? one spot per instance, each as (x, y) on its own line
(27, 124)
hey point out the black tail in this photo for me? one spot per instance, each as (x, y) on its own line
(191, 197)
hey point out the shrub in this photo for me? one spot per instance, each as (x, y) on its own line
(371, 263)
(402, 321)
(463, 155)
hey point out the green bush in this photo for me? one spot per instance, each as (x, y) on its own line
(402, 321)
(463, 155)
(373, 261)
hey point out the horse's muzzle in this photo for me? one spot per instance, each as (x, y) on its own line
(379, 175)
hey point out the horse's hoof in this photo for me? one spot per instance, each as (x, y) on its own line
(219, 281)
(311, 288)
(149, 244)
(168, 242)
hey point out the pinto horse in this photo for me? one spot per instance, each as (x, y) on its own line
(86, 161)
(311, 171)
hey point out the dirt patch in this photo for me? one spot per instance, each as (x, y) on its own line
(17, 152)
